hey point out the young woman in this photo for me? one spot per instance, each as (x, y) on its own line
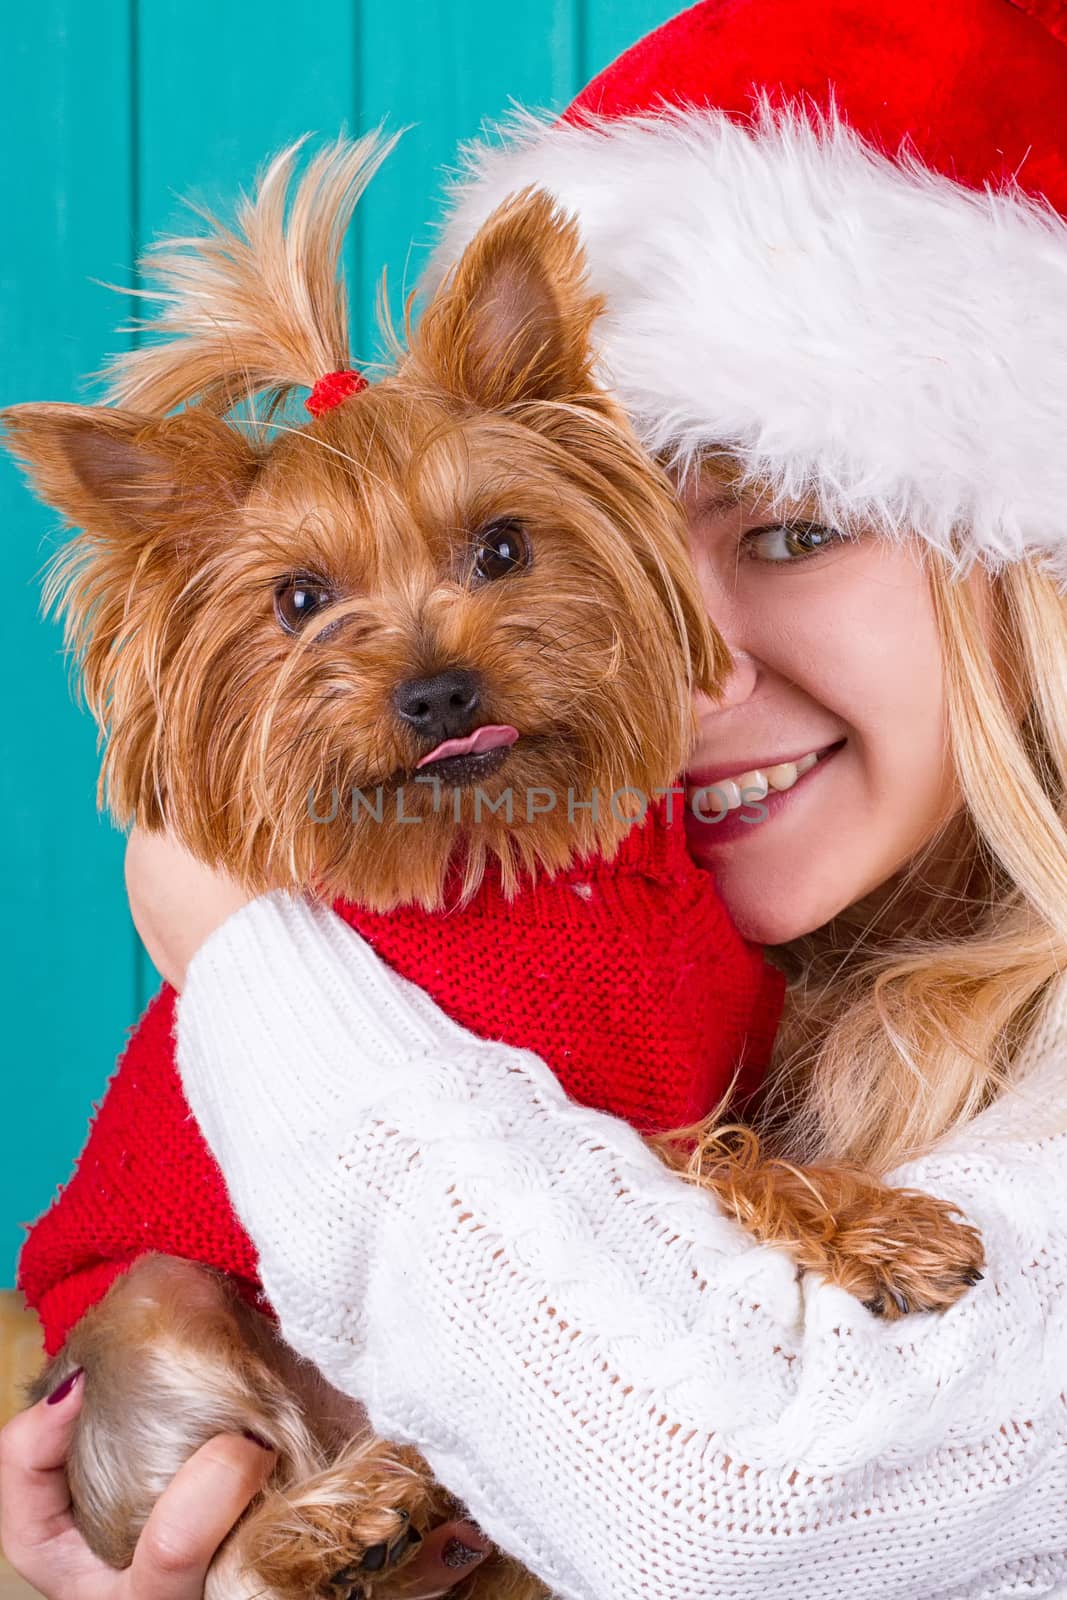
(857, 360)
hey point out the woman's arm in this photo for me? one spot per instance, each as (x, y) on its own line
(629, 1395)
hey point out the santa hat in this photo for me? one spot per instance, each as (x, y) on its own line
(831, 238)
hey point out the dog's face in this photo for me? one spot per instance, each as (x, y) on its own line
(450, 620)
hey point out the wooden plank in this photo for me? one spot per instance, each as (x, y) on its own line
(611, 26)
(220, 89)
(21, 1353)
(67, 981)
(21, 1356)
(113, 111)
(12, 1588)
(223, 87)
(442, 69)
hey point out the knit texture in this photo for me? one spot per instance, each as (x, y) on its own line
(627, 977)
(630, 1395)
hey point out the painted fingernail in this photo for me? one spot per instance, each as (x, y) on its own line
(264, 1444)
(458, 1554)
(66, 1387)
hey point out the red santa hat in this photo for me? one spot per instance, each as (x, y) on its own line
(831, 238)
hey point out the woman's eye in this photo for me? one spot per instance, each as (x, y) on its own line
(499, 549)
(298, 598)
(790, 541)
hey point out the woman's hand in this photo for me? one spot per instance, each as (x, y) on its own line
(175, 901)
(189, 1522)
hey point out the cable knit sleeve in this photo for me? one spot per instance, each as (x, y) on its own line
(629, 1395)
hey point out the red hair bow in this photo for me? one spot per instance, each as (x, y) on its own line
(332, 389)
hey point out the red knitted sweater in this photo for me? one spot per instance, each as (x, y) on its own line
(626, 977)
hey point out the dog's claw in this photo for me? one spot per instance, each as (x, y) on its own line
(375, 1558)
(878, 1308)
(349, 1583)
(407, 1541)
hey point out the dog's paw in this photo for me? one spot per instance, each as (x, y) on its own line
(908, 1252)
(337, 1534)
(378, 1562)
(896, 1250)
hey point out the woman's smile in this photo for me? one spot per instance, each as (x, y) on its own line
(726, 805)
(821, 768)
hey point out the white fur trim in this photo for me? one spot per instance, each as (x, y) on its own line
(849, 325)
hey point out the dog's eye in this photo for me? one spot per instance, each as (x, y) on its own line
(297, 598)
(499, 549)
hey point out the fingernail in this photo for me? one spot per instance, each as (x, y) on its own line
(458, 1554)
(66, 1387)
(264, 1444)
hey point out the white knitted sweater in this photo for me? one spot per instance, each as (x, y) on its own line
(628, 1394)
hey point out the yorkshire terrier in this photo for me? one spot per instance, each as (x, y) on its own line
(468, 569)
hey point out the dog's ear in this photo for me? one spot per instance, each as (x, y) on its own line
(117, 473)
(513, 320)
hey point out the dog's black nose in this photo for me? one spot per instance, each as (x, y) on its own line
(442, 707)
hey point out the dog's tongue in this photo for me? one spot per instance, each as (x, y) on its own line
(492, 737)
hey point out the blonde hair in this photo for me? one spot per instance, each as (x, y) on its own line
(889, 1041)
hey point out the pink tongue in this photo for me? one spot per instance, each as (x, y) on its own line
(492, 737)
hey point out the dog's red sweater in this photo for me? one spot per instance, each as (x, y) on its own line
(627, 977)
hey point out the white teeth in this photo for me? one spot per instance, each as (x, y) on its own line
(748, 788)
(784, 776)
(754, 785)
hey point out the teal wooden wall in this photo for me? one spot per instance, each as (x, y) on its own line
(110, 111)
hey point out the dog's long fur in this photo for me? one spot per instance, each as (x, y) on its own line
(220, 724)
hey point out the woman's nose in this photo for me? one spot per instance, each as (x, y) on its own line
(731, 621)
(741, 679)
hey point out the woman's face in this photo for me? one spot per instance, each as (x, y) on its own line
(835, 708)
